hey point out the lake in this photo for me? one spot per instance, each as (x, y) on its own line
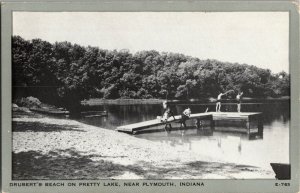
(225, 146)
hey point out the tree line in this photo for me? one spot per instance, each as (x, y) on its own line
(66, 73)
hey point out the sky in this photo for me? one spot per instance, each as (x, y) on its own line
(254, 38)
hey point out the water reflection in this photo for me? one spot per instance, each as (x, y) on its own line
(235, 147)
(126, 114)
(231, 147)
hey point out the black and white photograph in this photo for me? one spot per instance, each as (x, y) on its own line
(150, 95)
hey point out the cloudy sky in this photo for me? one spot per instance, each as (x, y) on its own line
(255, 38)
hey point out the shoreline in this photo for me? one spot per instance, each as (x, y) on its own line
(50, 148)
(98, 101)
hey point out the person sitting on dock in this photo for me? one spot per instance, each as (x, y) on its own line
(239, 101)
(166, 115)
(185, 116)
(218, 105)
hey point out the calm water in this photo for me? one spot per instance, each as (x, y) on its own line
(225, 146)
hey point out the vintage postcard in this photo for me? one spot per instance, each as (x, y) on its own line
(138, 97)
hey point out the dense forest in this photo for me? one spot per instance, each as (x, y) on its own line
(65, 73)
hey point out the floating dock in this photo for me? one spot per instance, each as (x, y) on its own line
(249, 119)
(49, 111)
(94, 113)
(58, 112)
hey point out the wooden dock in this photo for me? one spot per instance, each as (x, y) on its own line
(94, 114)
(49, 111)
(250, 120)
(156, 122)
(57, 112)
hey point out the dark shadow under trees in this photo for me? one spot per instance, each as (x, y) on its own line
(22, 126)
(69, 164)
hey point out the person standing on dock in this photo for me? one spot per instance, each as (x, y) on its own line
(218, 105)
(185, 116)
(239, 101)
(166, 115)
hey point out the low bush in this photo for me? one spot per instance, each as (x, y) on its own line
(30, 102)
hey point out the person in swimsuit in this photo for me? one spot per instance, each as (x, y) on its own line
(239, 101)
(166, 115)
(185, 116)
(218, 105)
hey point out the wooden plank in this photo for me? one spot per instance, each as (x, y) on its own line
(233, 115)
(93, 112)
(157, 122)
(90, 116)
(236, 113)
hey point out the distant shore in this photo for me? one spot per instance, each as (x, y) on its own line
(95, 101)
(99, 101)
